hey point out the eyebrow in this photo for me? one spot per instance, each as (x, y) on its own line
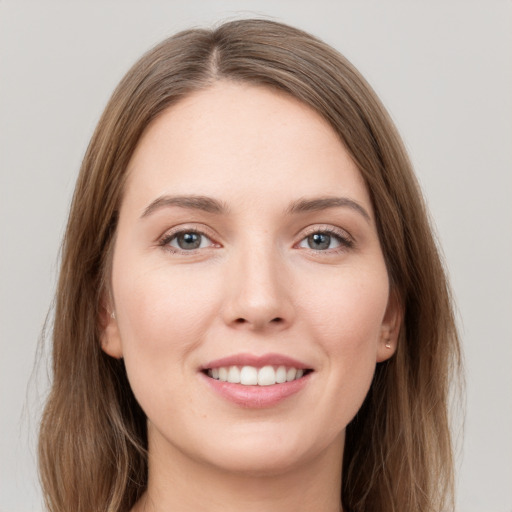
(322, 203)
(210, 205)
(206, 204)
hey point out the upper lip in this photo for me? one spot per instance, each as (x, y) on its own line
(256, 361)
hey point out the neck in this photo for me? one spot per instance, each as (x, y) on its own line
(177, 482)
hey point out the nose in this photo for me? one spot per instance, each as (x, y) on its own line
(258, 291)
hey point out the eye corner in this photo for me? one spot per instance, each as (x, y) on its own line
(187, 240)
(325, 236)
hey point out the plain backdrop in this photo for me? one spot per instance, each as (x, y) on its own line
(442, 68)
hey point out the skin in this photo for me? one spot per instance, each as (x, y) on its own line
(254, 286)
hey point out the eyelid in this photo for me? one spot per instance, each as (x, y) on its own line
(346, 239)
(171, 233)
(326, 228)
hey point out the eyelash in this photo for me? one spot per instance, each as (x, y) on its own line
(169, 237)
(345, 241)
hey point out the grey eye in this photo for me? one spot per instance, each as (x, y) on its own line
(189, 240)
(321, 241)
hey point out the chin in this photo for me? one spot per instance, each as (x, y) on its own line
(267, 452)
(259, 462)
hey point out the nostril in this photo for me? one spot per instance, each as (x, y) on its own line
(277, 320)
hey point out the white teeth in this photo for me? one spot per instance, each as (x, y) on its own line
(266, 376)
(281, 375)
(252, 376)
(223, 374)
(234, 375)
(290, 374)
(249, 376)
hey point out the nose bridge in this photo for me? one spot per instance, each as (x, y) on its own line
(258, 294)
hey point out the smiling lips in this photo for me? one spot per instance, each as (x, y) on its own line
(252, 376)
(256, 381)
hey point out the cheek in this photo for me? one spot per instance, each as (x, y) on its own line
(346, 321)
(163, 314)
(164, 307)
(348, 310)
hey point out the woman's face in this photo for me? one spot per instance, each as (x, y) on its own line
(247, 249)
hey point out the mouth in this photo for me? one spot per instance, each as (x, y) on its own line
(256, 381)
(247, 375)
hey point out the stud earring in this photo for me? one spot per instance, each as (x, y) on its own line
(388, 344)
(113, 315)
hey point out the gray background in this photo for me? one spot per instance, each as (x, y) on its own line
(443, 69)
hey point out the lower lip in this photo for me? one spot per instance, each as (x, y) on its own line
(256, 397)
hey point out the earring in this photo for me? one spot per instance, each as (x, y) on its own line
(113, 315)
(387, 338)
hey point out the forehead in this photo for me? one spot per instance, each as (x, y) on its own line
(242, 140)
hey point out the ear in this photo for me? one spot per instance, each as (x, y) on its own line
(390, 328)
(109, 331)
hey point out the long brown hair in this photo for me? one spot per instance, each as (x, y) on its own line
(398, 453)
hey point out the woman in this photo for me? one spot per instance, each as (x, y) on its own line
(251, 310)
